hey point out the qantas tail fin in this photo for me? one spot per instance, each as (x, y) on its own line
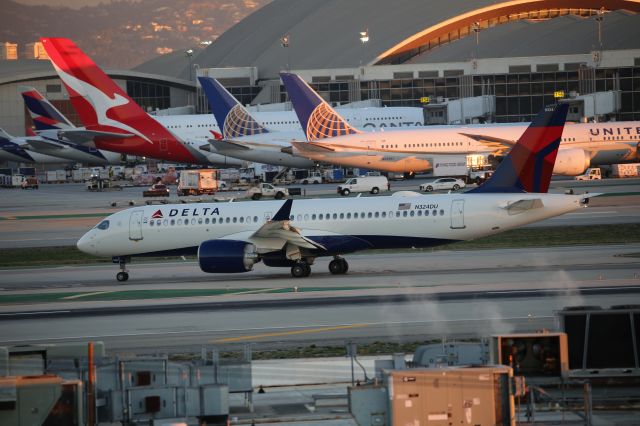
(529, 165)
(44, 115)
(233, 119)
(317, 118)
(101, 104)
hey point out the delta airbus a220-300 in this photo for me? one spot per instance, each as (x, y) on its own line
(232, 237)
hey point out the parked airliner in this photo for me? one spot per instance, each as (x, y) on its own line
(413, 150)
(246, 138)
(116, 123)
(12, 149)
(50, 126)
(232, 237)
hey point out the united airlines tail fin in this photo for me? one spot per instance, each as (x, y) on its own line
(44, 115)
(233, 119)
(317, 118)
(529, 165)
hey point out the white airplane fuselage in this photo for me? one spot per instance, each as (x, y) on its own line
(266, 148)
(582, 145)
(368, 222)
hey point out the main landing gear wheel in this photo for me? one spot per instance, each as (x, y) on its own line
(122, 276)
(338, 266)
(301, 270)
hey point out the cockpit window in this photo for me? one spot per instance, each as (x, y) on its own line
(103, 225)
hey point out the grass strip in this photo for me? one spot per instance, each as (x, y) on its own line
(517, 238)
(316, 351)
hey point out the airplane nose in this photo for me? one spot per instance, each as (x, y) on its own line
(85, 243)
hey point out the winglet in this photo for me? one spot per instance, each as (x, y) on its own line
(529, 165)
(284, 213)
(233, 119)
(317, 118)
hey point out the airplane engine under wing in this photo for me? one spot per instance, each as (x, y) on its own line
(227, 256)
(571, 162)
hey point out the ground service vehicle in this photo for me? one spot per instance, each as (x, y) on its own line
(312, 177)
(590, 174)
(29, 183)
(198, 182)
(372, 184)
(156, 190)
(267, 190)
(443, 184)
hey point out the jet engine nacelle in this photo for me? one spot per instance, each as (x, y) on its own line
(227, 256)
(571, 162)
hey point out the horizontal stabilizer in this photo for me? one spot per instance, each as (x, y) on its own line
(521, 206)
(226, 145)
(84, 136)
(40, 143)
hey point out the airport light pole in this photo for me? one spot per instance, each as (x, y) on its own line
(284, 42)
(189, 55)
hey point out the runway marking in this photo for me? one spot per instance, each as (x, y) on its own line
(78, 296)
(289, 333)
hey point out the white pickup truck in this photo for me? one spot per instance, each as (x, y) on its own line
(267, 190)
(591, 174)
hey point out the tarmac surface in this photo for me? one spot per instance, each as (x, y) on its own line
(405, 296)
(59, 214)
(398, 297)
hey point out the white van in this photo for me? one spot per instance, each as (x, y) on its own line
(372, 184)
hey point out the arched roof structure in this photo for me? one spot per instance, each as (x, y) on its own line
(325, 34)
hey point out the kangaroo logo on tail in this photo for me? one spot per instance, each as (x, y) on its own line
(233, 119)
(318, 119)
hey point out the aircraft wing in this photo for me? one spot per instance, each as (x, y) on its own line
(277, 233)
(86, 137)
(499, 145)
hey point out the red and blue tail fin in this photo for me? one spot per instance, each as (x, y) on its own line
(233, 119)
(317, 118)
(529, 165)
(44, 115)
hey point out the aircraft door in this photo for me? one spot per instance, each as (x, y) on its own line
(457, 214)
(135, 225)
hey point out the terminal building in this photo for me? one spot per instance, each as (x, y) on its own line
(463, 61)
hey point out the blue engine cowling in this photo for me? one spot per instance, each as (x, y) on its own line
(227, 256)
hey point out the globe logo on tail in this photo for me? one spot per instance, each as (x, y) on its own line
(239, 123)
(325, 123)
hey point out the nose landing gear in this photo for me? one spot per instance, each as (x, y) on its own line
(123, 275)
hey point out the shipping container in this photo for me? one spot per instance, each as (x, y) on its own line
(625, 170)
